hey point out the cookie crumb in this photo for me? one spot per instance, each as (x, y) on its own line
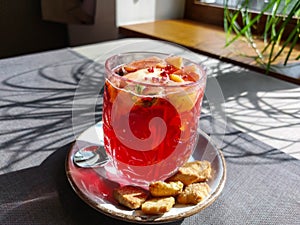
(164, 189)
(158, 205)
(130, 196)
(193, 193)
(193, 172)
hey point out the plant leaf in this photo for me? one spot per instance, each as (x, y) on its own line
(292, 38)
(250, 24)
(296, 38)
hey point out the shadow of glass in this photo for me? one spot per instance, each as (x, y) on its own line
(43, 195)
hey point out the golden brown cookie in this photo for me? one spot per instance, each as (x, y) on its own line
(158, 205)
(163, 189)
(130, 196)
(192, 172)
(193, 193)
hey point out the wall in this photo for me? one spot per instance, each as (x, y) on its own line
(138, 11)
(103, 29)
(24, 31)
(112, 13)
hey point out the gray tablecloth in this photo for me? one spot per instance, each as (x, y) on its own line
(36, 97)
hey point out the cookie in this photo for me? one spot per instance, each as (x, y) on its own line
(193, 193)
(193, 172)
(130, 196)
(163, 189)
(158, 205)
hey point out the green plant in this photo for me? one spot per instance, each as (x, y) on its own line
(279, 14)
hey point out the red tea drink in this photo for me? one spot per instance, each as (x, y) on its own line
(151, 113)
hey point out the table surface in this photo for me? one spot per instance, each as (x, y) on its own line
(46, 102)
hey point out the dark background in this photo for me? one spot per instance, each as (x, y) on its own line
(23, 31)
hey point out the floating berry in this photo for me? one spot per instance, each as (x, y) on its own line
(164, 74)
(151, 70)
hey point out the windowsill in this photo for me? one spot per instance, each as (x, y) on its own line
(208, 40)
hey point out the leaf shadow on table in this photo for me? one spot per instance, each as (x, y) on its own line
(258, 105)
(239, 147)
(38, 110)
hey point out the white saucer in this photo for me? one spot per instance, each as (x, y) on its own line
(95, 185)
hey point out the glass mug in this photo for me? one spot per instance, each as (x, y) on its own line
(151, 111)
